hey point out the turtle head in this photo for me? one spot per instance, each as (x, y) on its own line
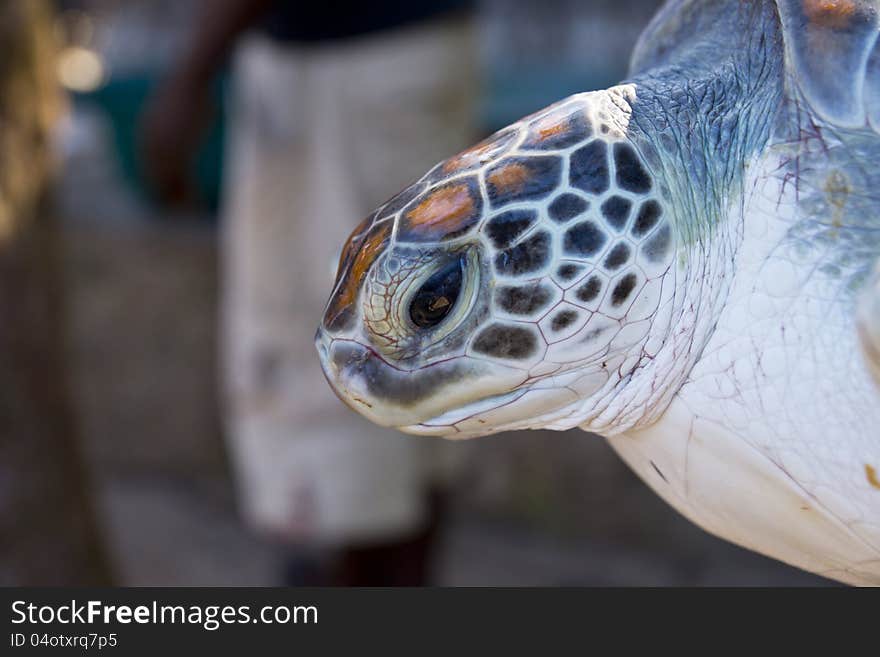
(513, 286)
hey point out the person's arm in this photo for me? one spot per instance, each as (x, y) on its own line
(178, 111)
(218, 24)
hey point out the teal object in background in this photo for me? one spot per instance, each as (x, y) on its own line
(122, 99)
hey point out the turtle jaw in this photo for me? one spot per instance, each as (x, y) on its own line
(390, 396)
(444, 424)
(458, 398)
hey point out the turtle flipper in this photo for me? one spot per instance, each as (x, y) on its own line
(834, 54)
(869, 322)
(832, 49)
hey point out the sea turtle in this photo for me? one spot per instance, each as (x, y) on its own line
(681, 263)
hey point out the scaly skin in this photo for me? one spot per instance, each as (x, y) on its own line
(674, 263)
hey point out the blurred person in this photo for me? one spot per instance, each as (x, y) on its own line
(333, 105)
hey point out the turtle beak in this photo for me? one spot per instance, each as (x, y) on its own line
(322, 343)
(343, 366)
(330, 366)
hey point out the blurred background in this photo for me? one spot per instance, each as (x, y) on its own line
(115, 460)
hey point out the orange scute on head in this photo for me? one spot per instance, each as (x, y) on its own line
(834, 14)
(351, 245)
(446, 205)
(445, 212)
(486, 150)
(350, 278)
(466, 159)
(548, 127)
(510, 179)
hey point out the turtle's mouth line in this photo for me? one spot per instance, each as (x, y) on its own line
(445, 423)
(440, 401)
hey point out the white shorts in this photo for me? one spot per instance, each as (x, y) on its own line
(319, 136)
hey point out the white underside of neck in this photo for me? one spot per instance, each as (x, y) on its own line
(771, 440)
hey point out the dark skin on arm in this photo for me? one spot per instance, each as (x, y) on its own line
(178, 112)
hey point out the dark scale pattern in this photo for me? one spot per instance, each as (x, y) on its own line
(563, 319)
(566, 207)
(647, 218)
(589, 290)
(568, 271)
(589, 168)
(527, 256)
(631, 175)
(616, 211)
(523, 178)
(617, 256)
(657, 246)
(583, 239)
(505, 341)
(524, 299)
(623, 289)
(504, 229)
(561, 128)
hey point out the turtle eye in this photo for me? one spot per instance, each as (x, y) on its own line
(437, 296)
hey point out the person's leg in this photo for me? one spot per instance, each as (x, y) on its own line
(310, 472)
